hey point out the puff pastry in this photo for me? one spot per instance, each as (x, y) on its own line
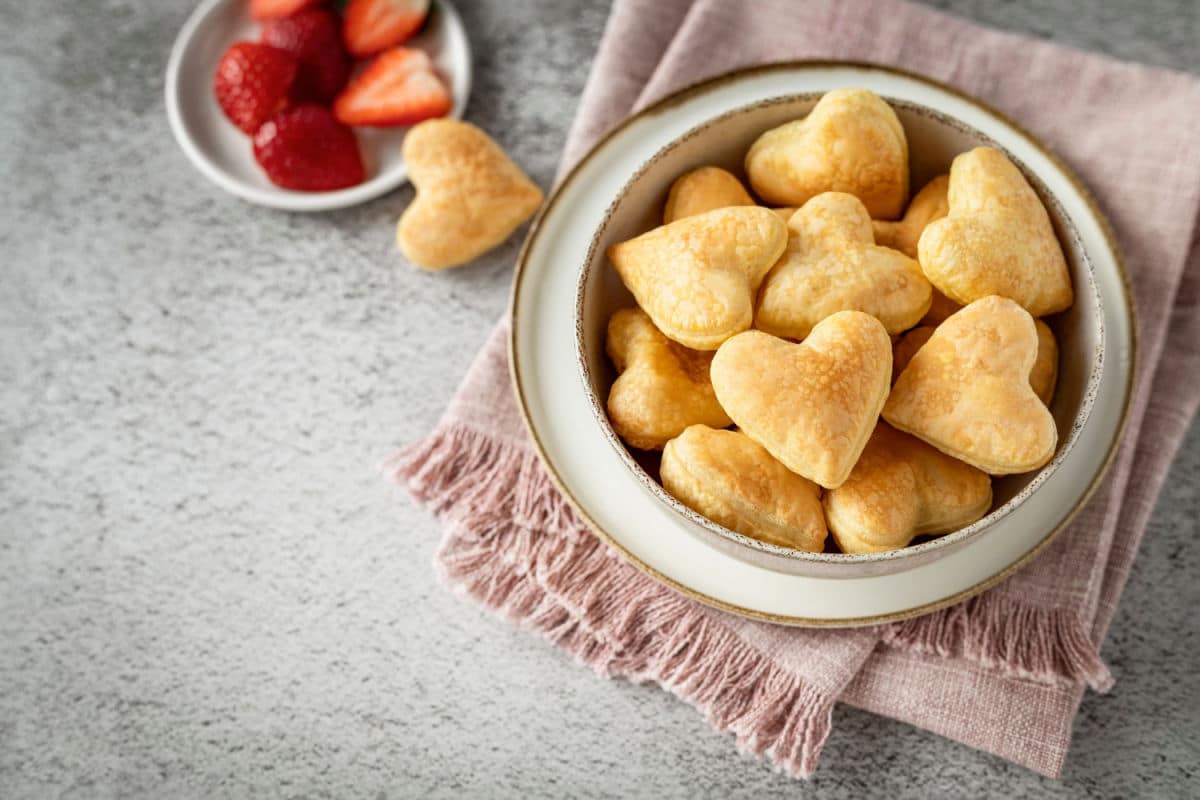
(811, 405)
(967, 392)
(733, 481)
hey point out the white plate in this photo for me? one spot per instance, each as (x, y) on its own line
(651, 536)
(225, 154)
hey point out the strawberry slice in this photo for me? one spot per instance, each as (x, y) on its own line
(398, 88)
(372, 26)
(314, 37)
(275, 9)
(253, 82)
(305, 148)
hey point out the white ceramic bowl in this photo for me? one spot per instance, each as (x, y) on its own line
(934, 139)
(225, 155)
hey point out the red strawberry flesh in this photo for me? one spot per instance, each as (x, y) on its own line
(276, 9)
(306, 149)
(314, 37)
(252, 83)
(399, 87)
(372, 26)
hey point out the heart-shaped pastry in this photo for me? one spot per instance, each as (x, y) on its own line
(901, 488)
(851, 142)
(697, 276)
(833, 264)
(967, 392)
(811, 405)
(927, 205)
(704, 189)
(1042, 377)
(663, 387)
(996, 240)
(732, 480)
(470, 195)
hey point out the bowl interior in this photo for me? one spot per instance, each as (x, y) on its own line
(934, 140)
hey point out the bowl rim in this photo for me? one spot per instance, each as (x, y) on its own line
(568, 178)
(923, 550)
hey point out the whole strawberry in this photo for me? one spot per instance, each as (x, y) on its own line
(314, 37)
(253, 83)
(305, 148)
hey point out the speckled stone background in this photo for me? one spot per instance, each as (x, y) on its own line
(205, 587)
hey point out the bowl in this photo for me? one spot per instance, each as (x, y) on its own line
(225, 155)
(934, 138)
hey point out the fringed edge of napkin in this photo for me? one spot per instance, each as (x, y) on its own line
(514, 545)
(1048, 645)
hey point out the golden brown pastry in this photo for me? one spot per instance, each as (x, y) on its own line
(902, 488)
(662, 387)
(851, 142)
(732, 480)
(704, 189)
(811, 405)
(697, 276)
(927, 205)
(1044, 375)
(996, 240)
(470, 195)
(907, 347)
(967, 392)
(785, 212)
(833, 264)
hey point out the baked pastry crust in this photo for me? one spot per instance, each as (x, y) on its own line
(996, 240)
(470, 195)
(663, 387)
(967, 392)
(697, 276)
(832, 264)
(811, 405)
(851, 142)
(704, 189)
(734, 481)
(902, 488)
(927, 205)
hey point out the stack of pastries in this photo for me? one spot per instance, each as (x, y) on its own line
(833, 357)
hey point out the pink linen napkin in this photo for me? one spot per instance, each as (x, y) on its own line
(1003, 672)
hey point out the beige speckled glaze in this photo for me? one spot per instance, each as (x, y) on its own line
(934, 140)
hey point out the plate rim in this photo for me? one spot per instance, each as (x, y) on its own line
(283, 199)
(703, 86)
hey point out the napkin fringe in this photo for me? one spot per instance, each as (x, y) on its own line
(518, 549)
(1049, 645)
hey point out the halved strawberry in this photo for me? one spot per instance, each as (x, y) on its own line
(397, 88)
(274, 9)
(315, 39)
(306, 149)
(253, 82)
(372, 26)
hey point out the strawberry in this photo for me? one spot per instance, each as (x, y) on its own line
(314, 38)
(275, 9)
(252, 83)
(305, 148)
(372, 26)
(398, 88)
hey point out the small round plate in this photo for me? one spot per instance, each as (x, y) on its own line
(649, 534)
(225, 154)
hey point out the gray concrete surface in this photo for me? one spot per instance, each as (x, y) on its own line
(205, 588)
